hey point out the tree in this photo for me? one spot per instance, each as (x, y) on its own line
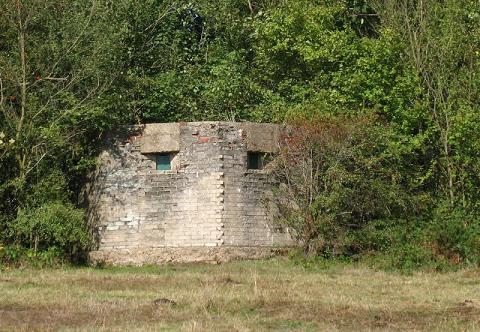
(336, 174)
(442, 45)
(311, 56)
(55, 65)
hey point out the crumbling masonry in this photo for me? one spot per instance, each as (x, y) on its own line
(185, 192)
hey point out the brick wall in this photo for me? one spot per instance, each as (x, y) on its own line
(208, 199)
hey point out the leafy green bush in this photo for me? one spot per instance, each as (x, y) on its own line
(408, 257)
(19, 256)
(456, 234)
(448, 239)
(51, 225)
(397, 244)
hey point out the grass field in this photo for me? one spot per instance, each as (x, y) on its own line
(273, 295)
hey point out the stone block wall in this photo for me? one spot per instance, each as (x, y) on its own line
(208, 204)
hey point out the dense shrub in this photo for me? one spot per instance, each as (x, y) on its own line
(395, 244)
(456, 235)
(335, 175)
(445, 240)
(19, 256)
(52, 225)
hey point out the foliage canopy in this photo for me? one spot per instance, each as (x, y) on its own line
(72, 69)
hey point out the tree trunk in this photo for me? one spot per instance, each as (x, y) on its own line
(21, 158)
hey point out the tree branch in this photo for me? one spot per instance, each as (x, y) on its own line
(23, 60)
(1, 93)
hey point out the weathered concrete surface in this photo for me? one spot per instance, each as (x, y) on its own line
(160, 137)
(209, 199)
(261, 137)
(146, 256)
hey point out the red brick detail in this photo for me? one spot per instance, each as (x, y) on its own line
(203, 139)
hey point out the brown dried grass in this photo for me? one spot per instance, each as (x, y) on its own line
(239, 296)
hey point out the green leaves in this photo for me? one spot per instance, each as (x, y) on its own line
(337, 174)
(89, 66)
(310, 53)
(52, 224)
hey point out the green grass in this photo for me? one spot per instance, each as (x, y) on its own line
(273, 295)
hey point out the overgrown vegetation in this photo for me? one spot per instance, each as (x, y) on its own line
(337, 175)
(344, 193)
(389, 89)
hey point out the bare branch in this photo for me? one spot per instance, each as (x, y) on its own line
(23, 61)
(89, 95)
(35, 165)
(1, 93)
(47, 151)
(75, 42)
(249, 3)
(51, 98)
(154, 25)
(161, 16)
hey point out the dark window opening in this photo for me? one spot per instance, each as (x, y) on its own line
(163, 161)
(255, 160)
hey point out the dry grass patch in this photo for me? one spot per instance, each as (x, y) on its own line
(239, 296)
